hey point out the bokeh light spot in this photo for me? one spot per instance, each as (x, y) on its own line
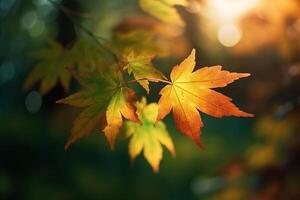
(7, 71)
(28, 20)
(293, 70)
(33, 101)
(37, 29)
(229, 35)
(297, 25)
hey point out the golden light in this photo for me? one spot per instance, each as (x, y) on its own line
(220, 19)
(229, 35)
(228, 11)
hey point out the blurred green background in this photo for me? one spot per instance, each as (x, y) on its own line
(255, 158)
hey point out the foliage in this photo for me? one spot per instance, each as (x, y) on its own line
(107, 97)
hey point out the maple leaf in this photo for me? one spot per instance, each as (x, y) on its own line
(164, 10)
(104, 98)
(191, 91)
(148, 135)
(142, 69)
(158, 38)
(121, 104)
(51, 68)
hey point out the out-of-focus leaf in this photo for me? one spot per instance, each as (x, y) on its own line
(233, 192)
(164, 10)
(51, 68)
(260, 156)
(166, 40)
(275, 130)
(148, 136)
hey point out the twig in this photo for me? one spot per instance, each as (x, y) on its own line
(69, 13)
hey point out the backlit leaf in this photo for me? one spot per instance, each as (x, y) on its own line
(191, 91)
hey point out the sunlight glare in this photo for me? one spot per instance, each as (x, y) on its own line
(225, 11)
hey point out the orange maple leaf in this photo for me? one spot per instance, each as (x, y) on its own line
(191, 91)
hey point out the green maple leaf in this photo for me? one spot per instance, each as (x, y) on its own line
(142, 69)
(51, 68)
(148, 135)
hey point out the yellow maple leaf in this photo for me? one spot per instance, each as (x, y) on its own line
(148, 135)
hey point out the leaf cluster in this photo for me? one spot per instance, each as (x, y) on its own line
(105, 72)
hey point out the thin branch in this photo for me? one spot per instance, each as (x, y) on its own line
(73, 13)
(69, 14)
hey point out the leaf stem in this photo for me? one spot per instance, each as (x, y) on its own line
(150, 79)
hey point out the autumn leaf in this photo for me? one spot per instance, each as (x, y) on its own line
(164, 10)
(192, 91)
(103, 97)
(158, 38)
(142, 69)
(51, 68)
(121, 104)
(263, 155)
(148, 136)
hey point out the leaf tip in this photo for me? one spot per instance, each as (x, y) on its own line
(155, 168)
(200, 145)
(111, 143)
(193, 53)
(245, 75)
(249, 115)
(173, 152)
(110, 134)
(60, 101)
(67, 145)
